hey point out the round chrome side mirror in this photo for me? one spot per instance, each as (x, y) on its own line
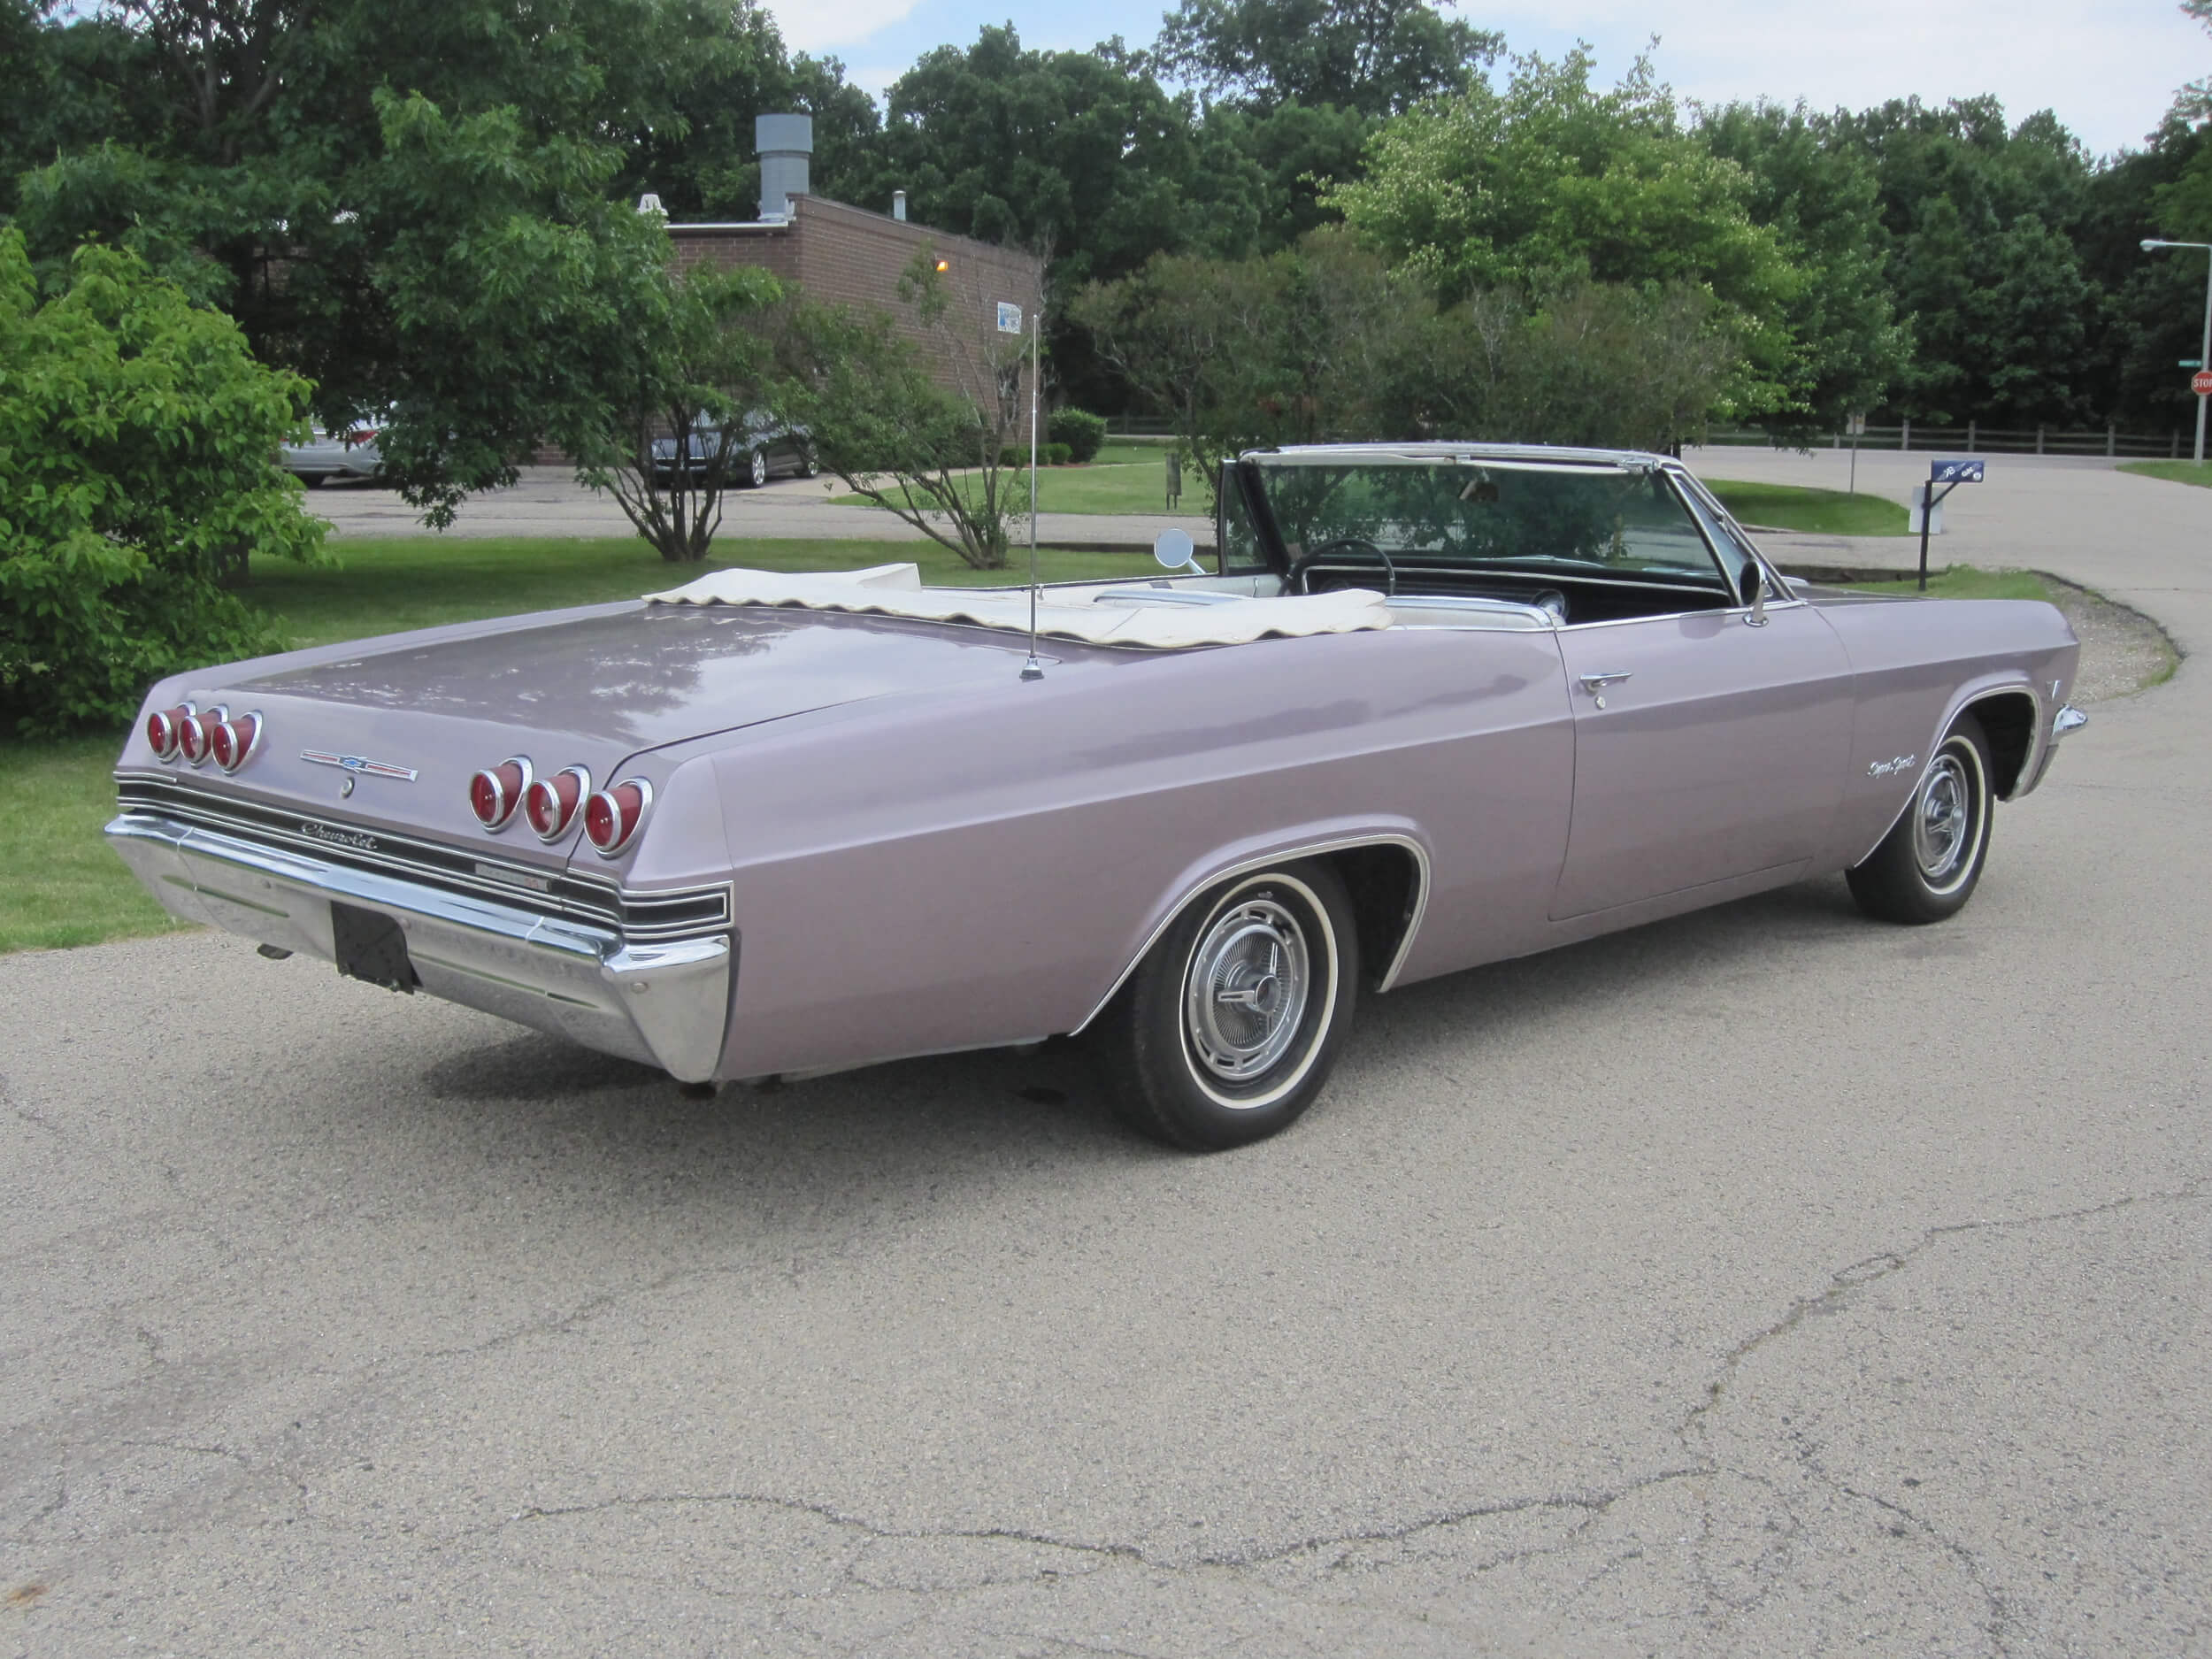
(1177, 551)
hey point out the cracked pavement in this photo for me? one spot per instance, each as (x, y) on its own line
(1763, 1282)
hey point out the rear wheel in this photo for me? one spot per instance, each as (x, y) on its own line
(1929, 864)
(1232, 1023)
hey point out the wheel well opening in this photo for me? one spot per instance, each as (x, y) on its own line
(2009, 723)
(1384, 882)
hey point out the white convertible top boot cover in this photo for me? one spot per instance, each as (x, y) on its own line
(896, 590)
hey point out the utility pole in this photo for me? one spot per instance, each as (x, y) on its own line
(2204, 352)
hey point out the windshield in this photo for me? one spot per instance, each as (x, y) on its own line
(1591, 522)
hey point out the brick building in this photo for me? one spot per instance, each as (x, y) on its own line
(842, 255)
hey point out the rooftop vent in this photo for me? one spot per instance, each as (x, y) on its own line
(786, 144)
(898, 205)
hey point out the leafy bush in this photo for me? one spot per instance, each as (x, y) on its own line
(1017, 455)
(137, 464)
(1082, 432)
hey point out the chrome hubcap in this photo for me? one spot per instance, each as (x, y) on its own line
(1944, 819)
(1245, 993)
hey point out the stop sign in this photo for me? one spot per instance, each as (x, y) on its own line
(2201, 382)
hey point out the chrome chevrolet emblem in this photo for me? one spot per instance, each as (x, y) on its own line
(354, 763)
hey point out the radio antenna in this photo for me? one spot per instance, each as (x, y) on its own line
(1033, 669)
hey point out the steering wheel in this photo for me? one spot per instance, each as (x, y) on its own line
(1357, 545)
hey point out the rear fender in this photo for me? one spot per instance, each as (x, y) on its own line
(1309, 841)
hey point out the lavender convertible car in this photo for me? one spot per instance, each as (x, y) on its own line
(1439, 705)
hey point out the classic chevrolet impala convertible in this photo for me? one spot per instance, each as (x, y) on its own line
(1439, 705)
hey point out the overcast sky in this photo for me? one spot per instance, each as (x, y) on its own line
(2109, 67)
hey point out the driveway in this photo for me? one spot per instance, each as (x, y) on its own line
(1766, 1281)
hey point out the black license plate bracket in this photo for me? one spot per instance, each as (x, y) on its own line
(370, 946)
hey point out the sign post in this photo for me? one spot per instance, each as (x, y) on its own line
(1857, 427)
(1950, 475)
(1010, 322)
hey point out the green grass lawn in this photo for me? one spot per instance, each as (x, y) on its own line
(1125, 478)
(55, 797)
(1130, 478)
(1964, 581)
(1813, 512)
(2172, 472)
(384, 585)
(66, 888)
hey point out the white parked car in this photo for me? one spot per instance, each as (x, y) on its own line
(349, 453)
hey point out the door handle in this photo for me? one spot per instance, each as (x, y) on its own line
(1598, 682)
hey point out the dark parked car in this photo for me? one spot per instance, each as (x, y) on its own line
(763, 447)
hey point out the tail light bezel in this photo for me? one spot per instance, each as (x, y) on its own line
(630, 823)
(248, 727)
(568, 809)
(204, 724)
(166, 738)
(509, 805)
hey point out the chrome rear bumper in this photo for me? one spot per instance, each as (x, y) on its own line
(665, 1004)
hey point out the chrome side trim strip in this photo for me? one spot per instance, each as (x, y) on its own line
(590, 897)
(1311, 850)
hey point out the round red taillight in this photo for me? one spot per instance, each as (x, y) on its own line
(550, 803)
(195, 736)
(233, 741)
(494, 792)
(611, 816)
(164, 728)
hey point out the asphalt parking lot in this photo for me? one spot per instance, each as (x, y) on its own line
(1766, 1281)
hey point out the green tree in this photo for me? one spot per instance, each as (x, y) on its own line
(1822, 201)
(2153, 302)
(1286, 158)
(701, 368)
(1323, 341)
(244, 149)
(1081, 150)
(1549, 185)
(927, 444)
(137, 438)
(1374, 57)
(1966, 199)
(521, 304)
(1608, 365)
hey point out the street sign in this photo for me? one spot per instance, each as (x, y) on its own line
(1956, 471)
(2193, 363)
(1009, 319)
(2201, 382)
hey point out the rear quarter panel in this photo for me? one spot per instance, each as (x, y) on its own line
(967, 868)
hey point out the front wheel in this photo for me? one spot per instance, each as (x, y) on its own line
(1928, 865)
(757, 473)
(1233, 1022)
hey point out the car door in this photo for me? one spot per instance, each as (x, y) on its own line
(1708, 745)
